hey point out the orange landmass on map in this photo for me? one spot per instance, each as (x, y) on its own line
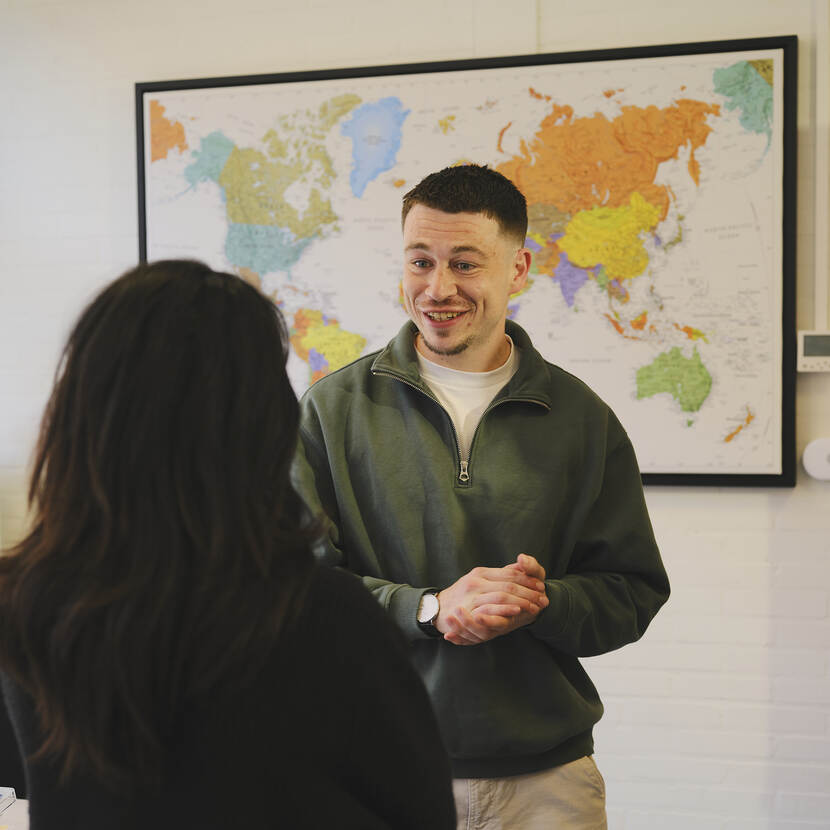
(250, 276)
(619, 327)
(502, 131)
(538, 95)
(547, 259)
(747, 421)
(691, 333)
(639, 322)
(299, 330)
(164, 134)
(301, 324)
(580, 163)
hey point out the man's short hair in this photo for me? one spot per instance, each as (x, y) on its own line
(472, 188)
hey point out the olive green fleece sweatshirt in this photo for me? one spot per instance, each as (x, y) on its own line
(552, 474)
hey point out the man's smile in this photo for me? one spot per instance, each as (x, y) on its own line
(443, 315)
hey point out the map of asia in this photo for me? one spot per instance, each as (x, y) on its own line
(654, 198)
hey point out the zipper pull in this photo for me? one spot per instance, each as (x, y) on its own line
(464, 475)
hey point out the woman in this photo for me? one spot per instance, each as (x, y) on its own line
(171, 656)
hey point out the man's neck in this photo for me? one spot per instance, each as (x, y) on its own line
(464, 361)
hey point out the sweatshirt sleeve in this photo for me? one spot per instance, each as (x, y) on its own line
(615, 582)
(311, 477)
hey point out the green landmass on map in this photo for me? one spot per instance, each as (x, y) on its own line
(686, 379)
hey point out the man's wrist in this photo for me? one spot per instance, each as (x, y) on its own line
(427, 614)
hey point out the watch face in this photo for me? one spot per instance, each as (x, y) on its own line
(428, 608)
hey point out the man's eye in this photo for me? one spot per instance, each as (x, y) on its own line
(464, 266)
(421, 263)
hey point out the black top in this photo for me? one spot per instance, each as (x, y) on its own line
(337, 732)
(11, 766)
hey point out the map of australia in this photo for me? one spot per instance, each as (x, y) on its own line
(652, 223)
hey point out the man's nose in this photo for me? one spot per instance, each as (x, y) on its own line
(441, 285)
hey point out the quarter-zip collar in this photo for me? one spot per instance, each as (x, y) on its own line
(529, 383)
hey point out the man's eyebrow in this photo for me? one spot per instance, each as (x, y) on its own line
(468, 249)
(457, 249)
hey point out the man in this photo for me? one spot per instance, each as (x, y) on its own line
(493, 505)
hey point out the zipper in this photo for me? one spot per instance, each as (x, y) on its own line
(463, 475)
(491, 406)
(463, 466)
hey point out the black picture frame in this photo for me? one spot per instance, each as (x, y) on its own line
(785, 45)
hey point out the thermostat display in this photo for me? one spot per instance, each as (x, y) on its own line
(813, 351)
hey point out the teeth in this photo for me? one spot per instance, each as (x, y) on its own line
(439, 316)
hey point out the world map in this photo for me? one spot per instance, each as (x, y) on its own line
(654, 221)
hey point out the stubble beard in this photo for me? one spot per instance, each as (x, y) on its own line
(447, 351)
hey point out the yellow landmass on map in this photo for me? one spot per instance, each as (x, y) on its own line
(255, 192)
(334, 109)
(446, 124)
(164, 135)
(764, 69)
(610, 236)
(320, 342)
(255, 181)
(578, 163)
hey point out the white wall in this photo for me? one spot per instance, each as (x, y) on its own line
(720, 718)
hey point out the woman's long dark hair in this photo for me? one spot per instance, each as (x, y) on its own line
(168, 549)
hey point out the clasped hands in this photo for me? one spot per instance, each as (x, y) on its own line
(490, 602)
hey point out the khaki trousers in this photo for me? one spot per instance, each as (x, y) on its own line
(569, 797)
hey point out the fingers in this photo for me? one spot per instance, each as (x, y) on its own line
(457, 631)
(485, 623)
(495, 610)
(514, 574)
(530, 566)
(489, 602)
(531, 602)
(465, 629)
(496, 625)
(514, 592)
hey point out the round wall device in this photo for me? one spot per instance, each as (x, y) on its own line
(816, 458)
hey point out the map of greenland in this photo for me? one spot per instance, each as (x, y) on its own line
(376, 131)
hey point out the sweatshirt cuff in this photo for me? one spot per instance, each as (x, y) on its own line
(403, 606)
(553, 620)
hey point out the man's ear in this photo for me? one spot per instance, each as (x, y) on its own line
(521, 268)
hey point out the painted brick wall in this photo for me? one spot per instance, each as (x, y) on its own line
(720, 717)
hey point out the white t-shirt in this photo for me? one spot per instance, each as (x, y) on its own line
(465, 395)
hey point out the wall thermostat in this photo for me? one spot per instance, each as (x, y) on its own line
(813, 351)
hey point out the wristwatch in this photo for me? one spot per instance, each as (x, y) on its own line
(428, 613)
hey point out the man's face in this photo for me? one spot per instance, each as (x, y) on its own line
(459, 270)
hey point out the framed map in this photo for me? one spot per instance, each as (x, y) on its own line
(661, 195)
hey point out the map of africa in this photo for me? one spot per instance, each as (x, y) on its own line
(653, 191)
